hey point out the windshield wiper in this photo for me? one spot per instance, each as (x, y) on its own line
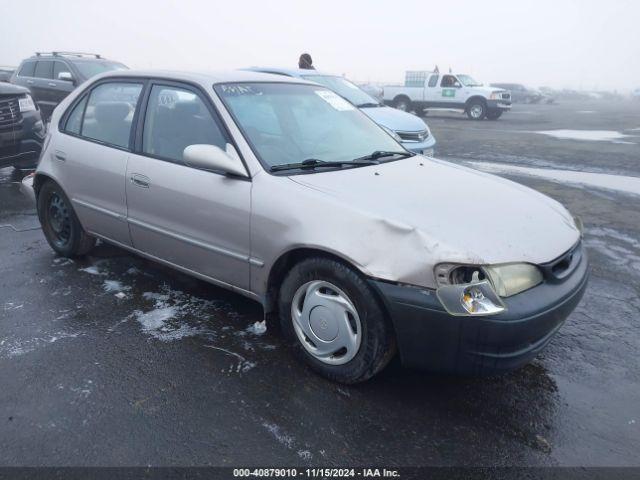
(312, 163)
(368, 105)
(378, 154)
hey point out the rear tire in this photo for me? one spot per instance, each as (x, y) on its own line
(402, 103)
(323, 301)
(60, 224)
(476, 110)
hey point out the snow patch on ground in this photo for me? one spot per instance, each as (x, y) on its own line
(620, 249)
(258, 328)
(585, 135)
(9, 349)
(286, 440)
(619, 183)
(114, 286)
(92, 270)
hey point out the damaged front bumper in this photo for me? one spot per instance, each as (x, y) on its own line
(430, 338)
(26, 187)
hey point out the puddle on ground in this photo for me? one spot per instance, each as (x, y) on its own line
(587, 135)
(619, 183)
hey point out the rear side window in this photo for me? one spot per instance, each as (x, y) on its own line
(74, 121)
(44, 69)
(433, 81)
(175, 119)
(27, 69)
(109, 113)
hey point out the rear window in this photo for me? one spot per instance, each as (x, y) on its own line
(27, 69)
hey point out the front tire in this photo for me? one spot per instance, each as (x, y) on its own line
(494, 114)
(334, 321)
(476, 110)
(60, 224)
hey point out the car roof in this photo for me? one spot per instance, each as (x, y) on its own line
(204, 77)
(292, 72)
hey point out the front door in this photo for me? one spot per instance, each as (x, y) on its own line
(192, 218)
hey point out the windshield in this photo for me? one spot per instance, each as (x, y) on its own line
(289, 123)
(344, 88)
(468, 81)
(92, 68)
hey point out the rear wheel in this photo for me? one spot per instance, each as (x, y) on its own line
(333, 320)
(402, 103)
(60, 224)
(476, 110)
(494, 114)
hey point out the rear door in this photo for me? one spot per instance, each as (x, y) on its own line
(92, 153)
(432, 92)
(25, 75)
(194, 219)
(42, 87)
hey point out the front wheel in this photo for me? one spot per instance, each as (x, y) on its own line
(494, 114)
(60, 224)
(476, 110)
(333, 320)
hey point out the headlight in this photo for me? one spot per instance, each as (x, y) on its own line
(26, 104)
(395, 136)
(496, 280)
(513, 278)
(495, 96)
(579, 225)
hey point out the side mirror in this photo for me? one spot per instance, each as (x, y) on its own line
(210, 157)
(65, 77)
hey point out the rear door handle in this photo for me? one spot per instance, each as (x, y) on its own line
(51, 84)
(30, 82)
(140, 180)
(60, 156)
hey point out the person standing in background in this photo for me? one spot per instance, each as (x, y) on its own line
(305, 62)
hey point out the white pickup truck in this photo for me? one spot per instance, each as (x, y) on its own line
(434, 90)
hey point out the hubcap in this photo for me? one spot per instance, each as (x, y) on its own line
(59, 221)
(402, 106)
(326, 322)
(476, 111)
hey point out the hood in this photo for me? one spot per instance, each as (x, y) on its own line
(459, 214)
(394, 119)
(11, 89)
(488, 90)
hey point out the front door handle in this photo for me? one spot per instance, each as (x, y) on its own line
(30, 82)
(51, 84)
(61, 156)
(140, 180)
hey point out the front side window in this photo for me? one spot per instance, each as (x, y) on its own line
(302, 122)
(175, 119)
(449, 81)
(44, 69)
(109, 113)
(27, 69)
(345, 89)
(58, 68)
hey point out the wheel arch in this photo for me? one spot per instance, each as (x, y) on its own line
(471, 100)
(286, 261)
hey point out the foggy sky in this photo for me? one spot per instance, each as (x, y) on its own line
(583, 44)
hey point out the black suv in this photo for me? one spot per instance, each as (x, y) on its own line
(52, 76)
(21, 129)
